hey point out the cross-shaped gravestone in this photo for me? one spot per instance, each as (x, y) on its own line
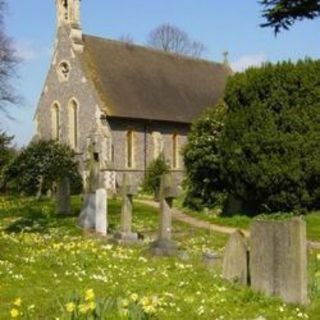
(128, 189)
(164, 244)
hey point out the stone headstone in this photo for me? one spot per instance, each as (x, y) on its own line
(87, 218)
(101, 221)
(63, 197)
(129, 189)
(235, 259)
(278, 261)
(164, 244)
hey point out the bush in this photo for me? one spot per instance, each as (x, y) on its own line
(156, 168)
(202, 160)
(270, 146)
(39, 166)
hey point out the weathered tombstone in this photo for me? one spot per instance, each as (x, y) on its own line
(129, 189)
(101, 212)
(94, 212)
(63, 197)
(278, 260)
(164, 244)
(235, 259)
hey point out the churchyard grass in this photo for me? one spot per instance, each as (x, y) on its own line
(50, 269)
(243, 222)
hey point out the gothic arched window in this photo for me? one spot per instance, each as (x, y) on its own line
(175, 151)
(73, 123)
(130, 151)
(55, 117)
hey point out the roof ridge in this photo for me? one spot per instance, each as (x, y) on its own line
(172, 54)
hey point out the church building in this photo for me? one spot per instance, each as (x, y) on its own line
(133, 102)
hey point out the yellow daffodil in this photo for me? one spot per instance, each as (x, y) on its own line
(14, 313)
(83, 308)
(18, 302)
(318, 256)
(70, 307)
(134, 297)
(92, 305)
(89, 295)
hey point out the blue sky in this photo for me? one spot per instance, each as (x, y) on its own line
(221, 25)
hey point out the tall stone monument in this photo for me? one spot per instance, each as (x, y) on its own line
(128, 190)
(63, 197)
(94, 211)
(164, 244)
(278, 259)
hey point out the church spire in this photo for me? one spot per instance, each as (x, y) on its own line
(68, 15)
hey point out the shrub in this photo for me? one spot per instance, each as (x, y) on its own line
(39, 166)
(270, 146)
(202, 160)
(156, 168)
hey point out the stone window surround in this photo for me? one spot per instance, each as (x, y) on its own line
(64, 73)
(55, 120)
(130, 132)
(73, 127)
(175, 160)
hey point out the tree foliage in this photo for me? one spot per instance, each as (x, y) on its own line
(7, 152)
(270, 146)
(156, 168)
(8, 64)
(41, 164)
(202, 159)
(281, 14)
(172, 39)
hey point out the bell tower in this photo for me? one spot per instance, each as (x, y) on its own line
(68, 16)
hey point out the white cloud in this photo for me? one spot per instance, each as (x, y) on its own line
(247, 61)
(26, 50)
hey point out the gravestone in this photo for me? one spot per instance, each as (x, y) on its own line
(94, 212)
(101, 212)
(63, 197)
(278, 261)
(235, 259)
(211, 259)
(164, 244)
(129, 189)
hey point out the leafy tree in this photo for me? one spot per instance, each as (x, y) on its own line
(8, 64)
(281, 14)
(202, 159)
(172, 39)
(7, 152)
(270, 145)
(156, 168)
(41, 165)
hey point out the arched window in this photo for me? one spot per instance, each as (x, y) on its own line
(73, 123)
(158, 144)
(175, 151)
(55, 121)
(130, 154)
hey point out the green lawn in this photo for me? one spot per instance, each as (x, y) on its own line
(47, 262)
(243, 222)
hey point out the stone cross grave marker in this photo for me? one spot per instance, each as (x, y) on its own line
(235, 259)
(128, 190)
(278, 259)
(164, 244)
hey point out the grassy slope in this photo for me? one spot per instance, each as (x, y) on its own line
(44, 259)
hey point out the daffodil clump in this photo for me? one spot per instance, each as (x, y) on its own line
(50, 269)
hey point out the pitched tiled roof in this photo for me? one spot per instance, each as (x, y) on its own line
(143, 83)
